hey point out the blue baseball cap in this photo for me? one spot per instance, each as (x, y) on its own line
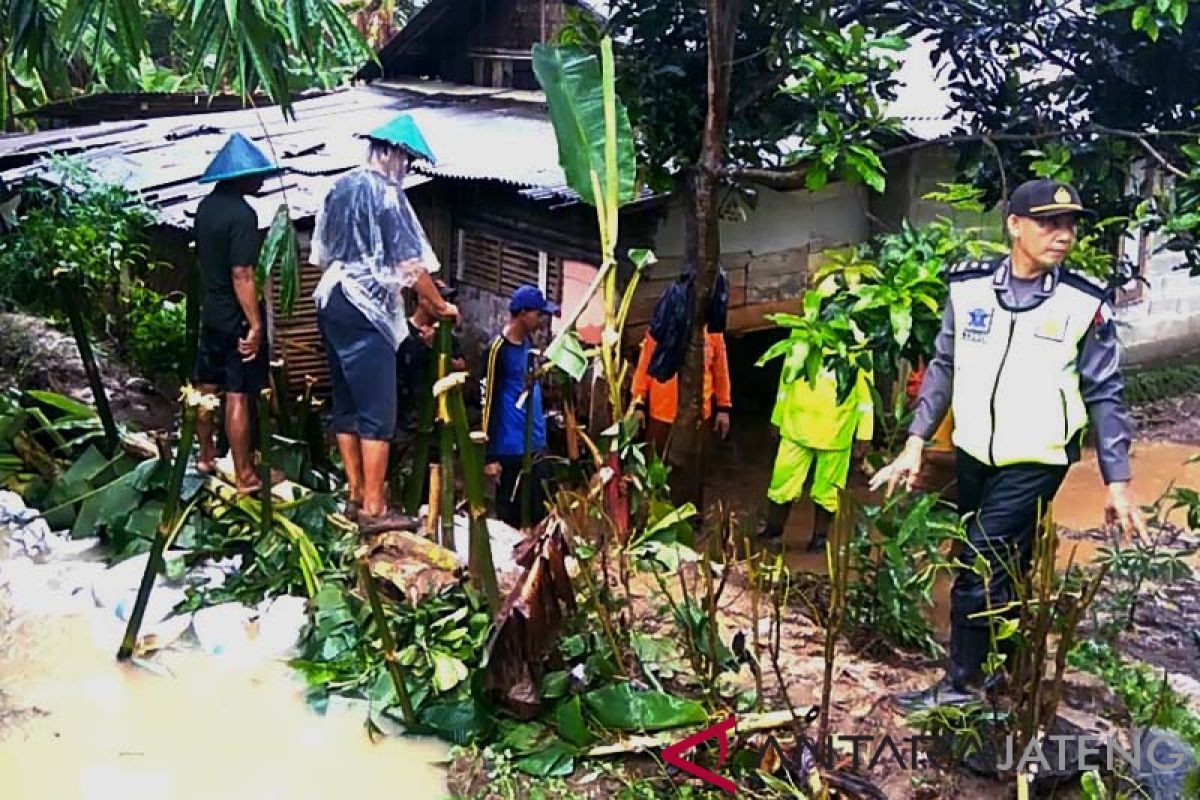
(238, 158)
(530, 298)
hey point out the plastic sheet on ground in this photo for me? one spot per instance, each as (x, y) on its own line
(48, 573)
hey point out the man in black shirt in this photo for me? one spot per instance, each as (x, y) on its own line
(232, 353)
(414, 360)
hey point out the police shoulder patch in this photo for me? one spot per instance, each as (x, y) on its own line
(971, 268)
(1084, 283)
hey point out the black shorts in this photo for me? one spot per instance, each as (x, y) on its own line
(218, 362)
(362, 369)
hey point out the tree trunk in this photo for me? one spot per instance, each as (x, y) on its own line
(702, 237)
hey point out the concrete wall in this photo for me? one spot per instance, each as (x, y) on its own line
(1165, 322)
(767, 256)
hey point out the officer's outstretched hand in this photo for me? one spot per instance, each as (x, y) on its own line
(904, 469)
(1121, 509)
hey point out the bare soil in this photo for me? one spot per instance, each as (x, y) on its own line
(1176, 419)
(36, 355)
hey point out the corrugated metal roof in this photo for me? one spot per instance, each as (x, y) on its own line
(474, 138)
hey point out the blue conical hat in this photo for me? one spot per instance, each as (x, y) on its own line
(239, 158)
(403, 132)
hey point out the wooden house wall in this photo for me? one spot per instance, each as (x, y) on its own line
(443, 50)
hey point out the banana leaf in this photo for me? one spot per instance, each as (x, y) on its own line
(619, 707)
(280, 254)
(574, 89)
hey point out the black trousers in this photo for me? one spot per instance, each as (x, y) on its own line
(512, 485)
(1003, 507)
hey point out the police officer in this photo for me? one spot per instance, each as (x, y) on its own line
(1026, 354)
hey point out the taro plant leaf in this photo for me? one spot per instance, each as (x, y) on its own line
(280, 249)
(87, 467)
(620, 707)
(568, 719)
(554, 685)
(667, 522)
(555, 761)
(459, 723)
(106, 506)
(448, 671)
(574, 90)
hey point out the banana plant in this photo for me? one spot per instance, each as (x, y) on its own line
(596, 152)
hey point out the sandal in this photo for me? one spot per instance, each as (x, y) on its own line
(387, 521)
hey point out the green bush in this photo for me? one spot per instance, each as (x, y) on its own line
(157, 337)
(1161, 383)
(83, 234)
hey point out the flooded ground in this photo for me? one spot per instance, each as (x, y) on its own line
(76, 725)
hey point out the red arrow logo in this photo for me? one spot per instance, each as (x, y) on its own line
(671, 754)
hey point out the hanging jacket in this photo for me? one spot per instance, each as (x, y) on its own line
(671, 323)
(662, 397)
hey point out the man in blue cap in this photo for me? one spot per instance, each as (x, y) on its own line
(372, 247)
(232, 353)
(506, 404)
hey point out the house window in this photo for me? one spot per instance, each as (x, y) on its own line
(500, 265)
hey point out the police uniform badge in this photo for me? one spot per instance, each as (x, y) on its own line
(979, 324)
(1053, 328)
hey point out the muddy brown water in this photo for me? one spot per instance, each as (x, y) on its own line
(1078, 506)
(76, 725)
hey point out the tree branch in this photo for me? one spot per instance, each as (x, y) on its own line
(793, 177)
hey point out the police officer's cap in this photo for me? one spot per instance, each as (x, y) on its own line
(1046, 198)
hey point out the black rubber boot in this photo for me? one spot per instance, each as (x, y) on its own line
(777, 517)
(822, 522)
(969, 647)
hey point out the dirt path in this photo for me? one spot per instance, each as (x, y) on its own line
(34, 355)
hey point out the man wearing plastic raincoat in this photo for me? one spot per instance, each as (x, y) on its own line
(372, 247)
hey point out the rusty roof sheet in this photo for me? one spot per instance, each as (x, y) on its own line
(488, 138)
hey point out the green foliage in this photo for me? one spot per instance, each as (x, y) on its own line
(157, 336)
(575, 93)
(80, 230)
(280, 254)
(1137, 569)
(244, 46)
(1150, 701)
(1098, 61)
(897, 551)
(1151, 16)
(1160, 383)
(1052, 163)
(1175, 215)
(93, 237)
(809, 81)
(441, 643)
(838, 77)
(875, 304)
